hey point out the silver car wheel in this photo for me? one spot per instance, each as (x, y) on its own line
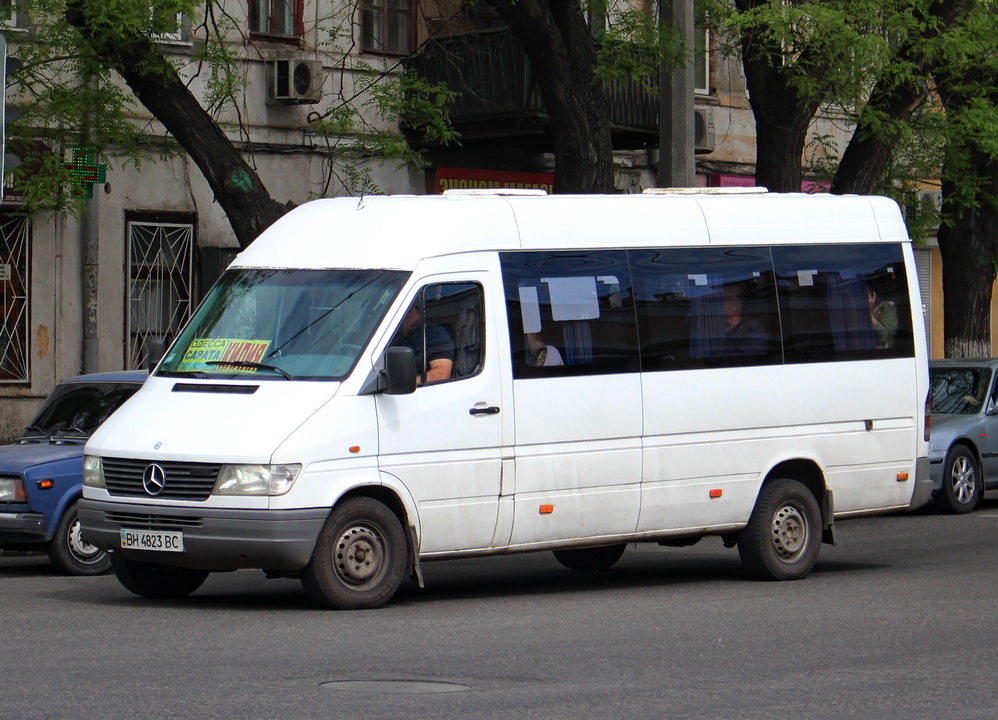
(963, 479)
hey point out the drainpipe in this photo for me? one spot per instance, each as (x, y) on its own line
(89, 219)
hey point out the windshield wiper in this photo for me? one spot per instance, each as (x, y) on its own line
(255, 365)
(72, 429)
(41, 433)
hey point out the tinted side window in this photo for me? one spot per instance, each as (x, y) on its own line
(445, 327)
(705, 307)
(570, 313)
(843, 302)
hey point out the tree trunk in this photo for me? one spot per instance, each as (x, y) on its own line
(968, 236)
(864, 162)
(782, 116)
(892, 103)
(556, 39)
(238, 189)
(968, 244)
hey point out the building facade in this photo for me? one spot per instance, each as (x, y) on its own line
(95, 293)
(92, 293)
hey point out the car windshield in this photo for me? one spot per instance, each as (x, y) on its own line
(283, 324)
(75, 410)
(959, 391)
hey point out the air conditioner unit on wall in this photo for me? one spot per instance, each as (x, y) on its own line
(295, 81)
(703, 130)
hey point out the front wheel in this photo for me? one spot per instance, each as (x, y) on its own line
(590, 559)
(69, 551)
(783, 535)
(961, 482)
(359, 559)
(152, 580)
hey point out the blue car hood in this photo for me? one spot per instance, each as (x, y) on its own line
(15, 458)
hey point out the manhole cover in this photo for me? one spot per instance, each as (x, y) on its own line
(395, 687)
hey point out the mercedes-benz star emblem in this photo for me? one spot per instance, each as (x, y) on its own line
(154, 479)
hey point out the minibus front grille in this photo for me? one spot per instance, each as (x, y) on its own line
(145, 521)
(179, 480)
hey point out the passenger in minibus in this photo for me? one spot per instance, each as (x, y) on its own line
(439, 355)
(884, 316)
(743, 336)
(539, 353)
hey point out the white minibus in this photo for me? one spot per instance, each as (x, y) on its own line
(378, 382)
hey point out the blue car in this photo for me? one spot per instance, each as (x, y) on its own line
(41, 476)
(963, 454)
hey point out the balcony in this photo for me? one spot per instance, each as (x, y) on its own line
(499, 102)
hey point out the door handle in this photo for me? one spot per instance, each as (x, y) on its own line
(491, 410)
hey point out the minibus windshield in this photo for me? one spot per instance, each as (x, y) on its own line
(283, 324)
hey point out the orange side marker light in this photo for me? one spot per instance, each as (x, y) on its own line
(355, 448)
(714, 494)
(902, 477)
(547, 509)
(46, 484)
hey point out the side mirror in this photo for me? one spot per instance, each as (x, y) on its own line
(400, 371)
(156, 348)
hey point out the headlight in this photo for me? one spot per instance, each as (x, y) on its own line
(93, 471)
(12, 490)
(255, 479)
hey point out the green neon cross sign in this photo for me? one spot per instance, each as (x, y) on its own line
(84, 172)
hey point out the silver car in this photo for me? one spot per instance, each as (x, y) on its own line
(963, 456)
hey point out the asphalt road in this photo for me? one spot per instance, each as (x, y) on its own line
(892, 623)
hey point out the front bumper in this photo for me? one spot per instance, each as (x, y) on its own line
(22, 527)
(214, 539)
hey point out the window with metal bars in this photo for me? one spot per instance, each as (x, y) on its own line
(160, 285)
(15, 238)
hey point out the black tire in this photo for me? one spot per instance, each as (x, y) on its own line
(783, 535)
(962, 482)
(70, 552)
(152, 580)
(359, 559)
(591, 559)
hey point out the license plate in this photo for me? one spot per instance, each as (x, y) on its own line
(161, 540)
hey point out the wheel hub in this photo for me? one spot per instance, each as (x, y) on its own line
(359, 555)
(790, 533)
(963, 480)
(80, 548)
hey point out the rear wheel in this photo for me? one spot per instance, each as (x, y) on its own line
(359, 559)
(71, 553)
(961, 482)
(590, 559)
(152, 580)
(783, 535)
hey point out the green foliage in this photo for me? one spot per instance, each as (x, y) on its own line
(827, 50)
(400, 99)
(839, 52)
(636, 46)
(71, 97)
